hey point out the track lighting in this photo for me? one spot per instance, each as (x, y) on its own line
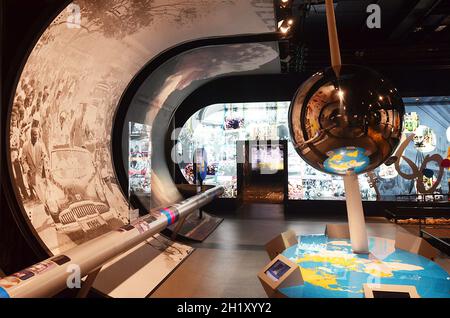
(284, 26)
(285, 3)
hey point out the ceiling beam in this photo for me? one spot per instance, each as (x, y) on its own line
(420, 11)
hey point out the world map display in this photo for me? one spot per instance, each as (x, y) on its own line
(331, 270)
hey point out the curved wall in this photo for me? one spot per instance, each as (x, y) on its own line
(167, 87)
(61, 118)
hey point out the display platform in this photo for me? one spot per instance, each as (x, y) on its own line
(331, 270)
(139, 271)
(439, 238)
(195, 228)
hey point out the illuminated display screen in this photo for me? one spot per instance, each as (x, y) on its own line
(277, 270)
(267, 158)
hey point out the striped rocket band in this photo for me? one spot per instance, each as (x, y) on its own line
(171, 215)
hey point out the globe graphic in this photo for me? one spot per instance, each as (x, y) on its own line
(346, 125)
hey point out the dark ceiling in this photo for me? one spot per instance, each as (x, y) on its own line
(414, 34)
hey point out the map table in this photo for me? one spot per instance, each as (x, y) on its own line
(331, 270)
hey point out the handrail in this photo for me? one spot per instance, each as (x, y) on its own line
(50, 277)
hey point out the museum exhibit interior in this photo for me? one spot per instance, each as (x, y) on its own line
(225, 149)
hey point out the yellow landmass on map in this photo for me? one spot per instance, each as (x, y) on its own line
(337, 259)
(376, 268)
(324, 280)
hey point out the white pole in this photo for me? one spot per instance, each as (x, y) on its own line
(356, 221)
(333, 38)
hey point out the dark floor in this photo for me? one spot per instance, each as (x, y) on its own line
(227, 262)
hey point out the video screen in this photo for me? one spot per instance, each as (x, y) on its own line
(267, 158)
(390, 294)
(277, 270)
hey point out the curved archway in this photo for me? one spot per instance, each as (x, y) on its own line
(156, 100)
(61, 117)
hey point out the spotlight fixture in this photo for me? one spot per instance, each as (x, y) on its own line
(284, 26)
(285, 3)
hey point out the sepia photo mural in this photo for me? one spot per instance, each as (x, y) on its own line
(61, 117)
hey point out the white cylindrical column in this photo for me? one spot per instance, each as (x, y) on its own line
(356, 221)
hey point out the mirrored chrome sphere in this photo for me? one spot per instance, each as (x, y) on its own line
(346, 125)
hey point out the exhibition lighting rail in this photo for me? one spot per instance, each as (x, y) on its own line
(92, 255)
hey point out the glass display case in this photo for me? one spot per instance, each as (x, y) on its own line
(139, 171)
(218, 127)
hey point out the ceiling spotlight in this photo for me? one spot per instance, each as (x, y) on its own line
(285, 3)
(284, 26)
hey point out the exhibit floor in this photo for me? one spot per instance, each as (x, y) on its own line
(227, 262)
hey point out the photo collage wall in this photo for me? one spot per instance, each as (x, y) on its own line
(218, 127)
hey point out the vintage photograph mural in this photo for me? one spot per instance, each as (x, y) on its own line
(66, 97)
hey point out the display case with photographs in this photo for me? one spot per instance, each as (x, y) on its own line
(424, 139)
(218, 127)
(428, 123)
(139, 171)
(411, 122)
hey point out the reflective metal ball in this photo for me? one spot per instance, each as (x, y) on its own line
(348, 124)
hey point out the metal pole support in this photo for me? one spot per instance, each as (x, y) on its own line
(356, 221)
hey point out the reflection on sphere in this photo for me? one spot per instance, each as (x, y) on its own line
(346, 125)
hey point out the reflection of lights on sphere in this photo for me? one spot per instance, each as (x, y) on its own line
(358, 115)
(448, 134)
